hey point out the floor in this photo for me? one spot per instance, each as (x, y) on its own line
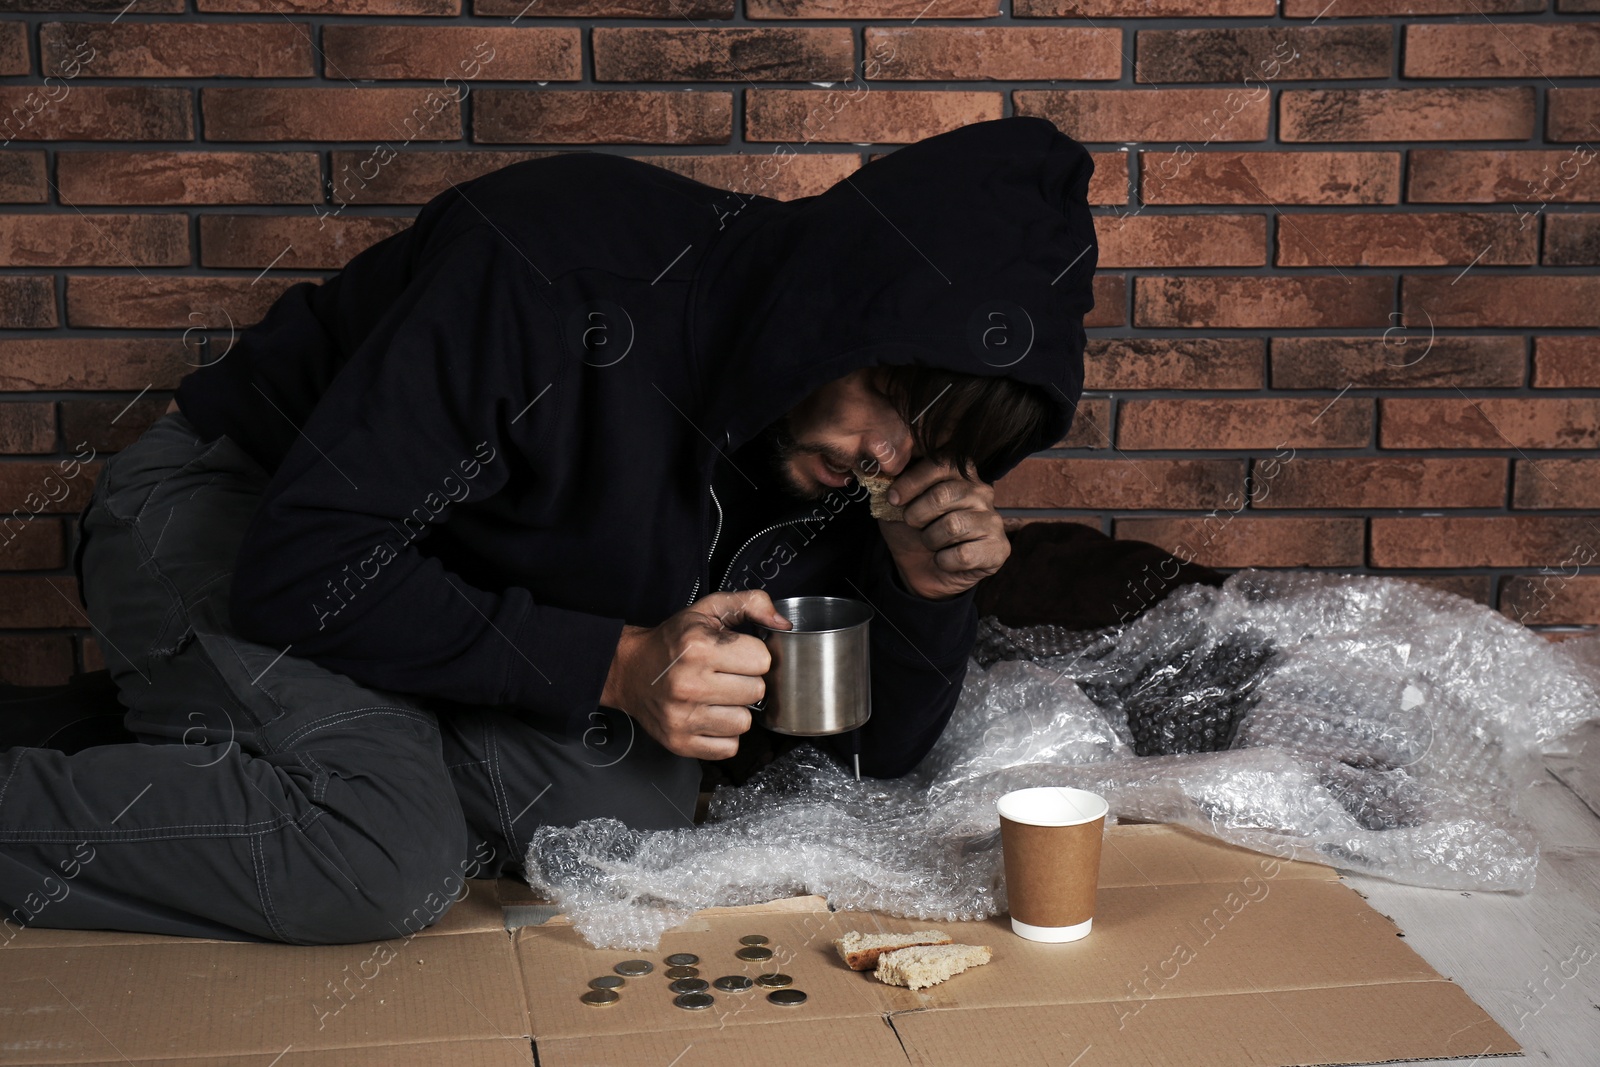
(1532, 961)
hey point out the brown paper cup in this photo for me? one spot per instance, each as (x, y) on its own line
(1051, 841)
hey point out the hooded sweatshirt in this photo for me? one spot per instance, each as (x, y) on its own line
(493, 438)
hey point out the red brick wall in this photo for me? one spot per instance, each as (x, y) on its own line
(1347, 296)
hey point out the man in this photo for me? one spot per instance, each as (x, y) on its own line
(457, 542)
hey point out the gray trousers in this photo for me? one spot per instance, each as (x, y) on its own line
(269, 798)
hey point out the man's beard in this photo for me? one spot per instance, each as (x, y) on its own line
(778, 445)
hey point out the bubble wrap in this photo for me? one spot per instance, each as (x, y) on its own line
(1368, 723)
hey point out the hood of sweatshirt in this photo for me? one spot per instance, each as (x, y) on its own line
(973, 251)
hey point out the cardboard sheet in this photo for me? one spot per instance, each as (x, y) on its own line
(449, 995)
(1201, 953)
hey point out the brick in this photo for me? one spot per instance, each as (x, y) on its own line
(93, 657)
(366, 177)
(37, 602)
(1570, 116)
(1519, 176)
(782, 177)
(163, 302)
(27, 427)
(1503, 300)
(602, 116)
(677, 10)
(1403, 357)
(1473, 587)
(1566, 363)
(22, 177)
(35, 659)
(1489, 422)
(94, 113)
(34, 546)
(294, 242)
(1558, 598)
(14, 58)
(461, 53)
(1379, 482)
(1132, 363)
(277, 49)
(745, 53)
(1556, 483)
(333, 7)
(1110, 302)
(1047, 482)
(1253, 301)
(1150, 9)
(868, 9)
(57, 487)
(1431, 239)
(1568, 7)
(1346, 9)
(862, 115)
(108, 7)
(418, 113)
(52, 364)
(1406, 114)
(1510, 50)
(1226, 540)
(27, 302)
(1263, 53)
(1182, 240)
(189, 177)
(1317, 422)
(109, 426)
(1197, 116)
(1572, 240)
(80, 240)
(1091, 425)
(1109, 184)
(1477, 541)
(1008, 53)
(1186, 177)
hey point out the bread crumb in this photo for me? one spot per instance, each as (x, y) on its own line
(860, 951)
(926, 965)
(878, 486)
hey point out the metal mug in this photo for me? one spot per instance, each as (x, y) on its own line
(820, 681)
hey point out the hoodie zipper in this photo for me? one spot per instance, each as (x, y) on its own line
(753, 537)
(713, 550)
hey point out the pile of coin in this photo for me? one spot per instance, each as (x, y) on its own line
(688, 988)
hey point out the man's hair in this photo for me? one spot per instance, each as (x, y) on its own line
(966, 419)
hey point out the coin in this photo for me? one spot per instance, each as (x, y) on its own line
(682, 959)
(787, 997)
(607, 981)
(753, 939)
(688, 985)
(754, 953)
(682, 972)
(774, 981)
(600, 998)
(634, 968)
(694, 1001)
(733, 983)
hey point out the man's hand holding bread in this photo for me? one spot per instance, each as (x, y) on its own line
(950, 538)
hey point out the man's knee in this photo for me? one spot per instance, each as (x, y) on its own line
(400, 892)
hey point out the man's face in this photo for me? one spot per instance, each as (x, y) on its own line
(847, 425)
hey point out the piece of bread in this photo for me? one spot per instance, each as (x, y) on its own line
(860, 951)
(878, 486)
(926, 965)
